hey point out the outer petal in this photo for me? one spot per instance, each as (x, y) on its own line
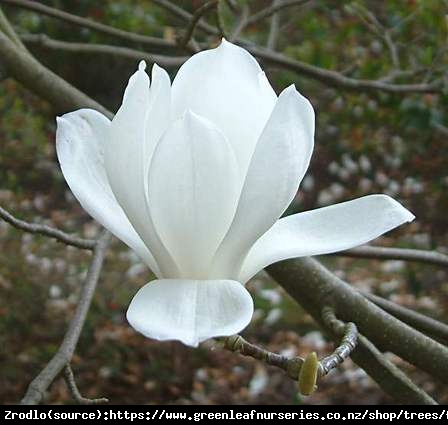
(127, 156)
(326, 230)
(193, 191)
(279, 163)
(190, 311)
(226, 86)
(80, 140)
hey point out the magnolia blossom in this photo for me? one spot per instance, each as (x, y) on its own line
(194, 176)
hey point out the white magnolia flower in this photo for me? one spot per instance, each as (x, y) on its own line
(194, 176)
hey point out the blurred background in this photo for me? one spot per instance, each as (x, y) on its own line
(366, 142)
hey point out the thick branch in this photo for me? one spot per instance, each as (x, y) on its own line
(384, 253)
(65, 352)
(74, 391)
(425, 324)
(393, 381)
(87, 23)
(48, 231)
(43, 40)
(388, 376)
(46, 84)
(311, 284)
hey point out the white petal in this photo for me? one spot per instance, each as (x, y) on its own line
(127, 156)
(190, 311)
(326, 230)
(193, 191)
(278, 165)
(80, 140)
(159, 110)
(226, 86)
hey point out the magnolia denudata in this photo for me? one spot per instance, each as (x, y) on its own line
(194, 177)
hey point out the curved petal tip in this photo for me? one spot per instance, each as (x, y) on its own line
(142, 65)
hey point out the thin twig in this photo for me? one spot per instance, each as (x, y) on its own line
(325, 76)
(274, 8)
(238, 344)
(274, 28)
(197, 15)
(40, 384)
(349, 334)
(336, 79)
(43, 40)
(186, 16)
(242, 22)
(425, 324)
(74, 391)
(48, 231)
(384, 253)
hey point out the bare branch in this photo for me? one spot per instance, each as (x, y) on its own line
(325, 76)
(186, 16)
(292, 366)
(312, 285)
(48, 231)
(43, 40)
(274, 28)
(87, 23)
(242, 22)
(349, 334)
(388, 376)
(238, 344)
(425, 324)
(6, 27)
(338, 80)
(74, 391)
(315, 286)
(384, 253)
(198, 14)
(46, 84)
(40, 384)
(273, 9)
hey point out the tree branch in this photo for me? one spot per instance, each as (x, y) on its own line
(45, 83)
(186, 16)
(388, 376)
(197, 15)
(336, 79)
(43, 40)
(425, 324)
(313, 286)
(273, 9)
(48, 231)
(274, 27)
(391, 379)
(40, 384)
(384, 253)
(349, 334)
(74, 391)
(6, 27)
(87, 23)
